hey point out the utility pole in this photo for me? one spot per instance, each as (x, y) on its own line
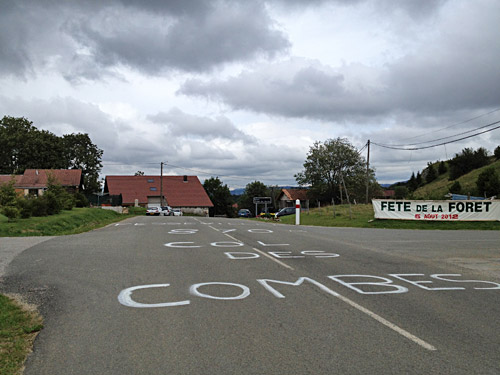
(161, 184)
(367, 172)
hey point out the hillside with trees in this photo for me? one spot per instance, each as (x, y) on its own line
(470, 172)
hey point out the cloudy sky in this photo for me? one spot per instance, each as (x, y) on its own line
(241, 89)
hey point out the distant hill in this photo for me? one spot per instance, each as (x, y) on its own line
(240, 191)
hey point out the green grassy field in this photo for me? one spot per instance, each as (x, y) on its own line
(362, 216)
(19, 325)
(78, 220)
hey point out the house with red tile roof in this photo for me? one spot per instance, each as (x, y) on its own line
(184, 192)
(36, 181)
(288, 197)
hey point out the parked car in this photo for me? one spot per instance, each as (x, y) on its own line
(153, 211)
(157, 211)
(244, 213)
(177, 212)
(167, 211)
(286, 211)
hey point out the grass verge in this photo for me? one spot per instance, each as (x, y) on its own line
(19, 325)
(78, 220)
(362, 216)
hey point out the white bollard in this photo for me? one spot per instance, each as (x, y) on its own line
(297, 212)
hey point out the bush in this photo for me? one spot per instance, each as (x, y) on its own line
(456, 188)
(25, 206)
(39, 206)
(81, 200)
(11, 212)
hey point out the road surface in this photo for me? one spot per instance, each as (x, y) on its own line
(186, 295)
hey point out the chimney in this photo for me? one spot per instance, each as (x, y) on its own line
(185, 178)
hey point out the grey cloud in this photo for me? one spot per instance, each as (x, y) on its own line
(306, 91)
(185, 125)
(454, 68)
(153, 43)
(90, 39)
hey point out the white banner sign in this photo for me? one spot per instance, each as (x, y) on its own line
(480, 210)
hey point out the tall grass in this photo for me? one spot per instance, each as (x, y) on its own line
(362, 216)
(78, 220)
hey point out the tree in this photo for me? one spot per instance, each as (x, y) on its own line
(467, 161)
(331, 164)
(456, 188)
(497, 153)
(442, 169)
(82, 154)
(412, 183)
(139, 173)
(431, 173)
(400, 192)
(252, 190)
(23, 146)
(418, 179)
(488, 182)
(220, 196)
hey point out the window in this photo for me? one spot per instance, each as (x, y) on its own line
(152, 188)
(151, 180)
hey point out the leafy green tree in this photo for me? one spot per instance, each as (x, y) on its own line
(467, 161)
(8, 194)
(488, 182)
(220, 196)
(331, 164)
(252, 190)
(82, 154)
(23, 146)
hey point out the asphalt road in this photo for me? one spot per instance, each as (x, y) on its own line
(185, 295)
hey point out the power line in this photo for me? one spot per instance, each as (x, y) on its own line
(453, 125)
(440, 139)
(443, 143)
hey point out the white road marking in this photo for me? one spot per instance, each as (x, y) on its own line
(351, 303)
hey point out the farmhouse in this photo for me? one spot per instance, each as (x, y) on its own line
(184, 192)
(288, 197)
(35, 181)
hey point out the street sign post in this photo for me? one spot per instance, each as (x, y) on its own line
(261, 200)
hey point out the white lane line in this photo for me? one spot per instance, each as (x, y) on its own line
(358, 307)
(259, 251)
(273, 259)
(388, 324)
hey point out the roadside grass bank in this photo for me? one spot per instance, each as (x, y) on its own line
(362, 216)
(78, 220)
(19, 325)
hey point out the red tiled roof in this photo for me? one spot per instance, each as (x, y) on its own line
(38, 178)
(6, 178)
(177, 193)
(294, 194)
